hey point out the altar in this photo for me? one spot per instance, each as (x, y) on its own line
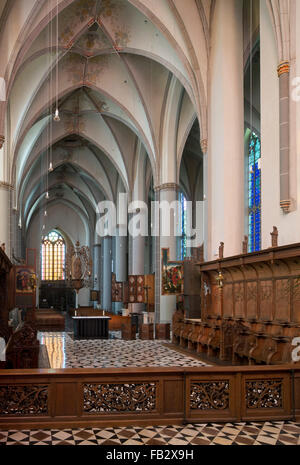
(91, 327)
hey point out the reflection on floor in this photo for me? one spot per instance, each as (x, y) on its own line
(268, 433)
(65, 352)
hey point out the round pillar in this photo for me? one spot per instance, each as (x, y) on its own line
(107, 266)
(226, 131)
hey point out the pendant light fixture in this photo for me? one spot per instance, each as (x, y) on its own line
(56, 115)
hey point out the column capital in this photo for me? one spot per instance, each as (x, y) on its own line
(204, 144)
(283, 68)
(286, 205)
(167, 186)
(6, 186)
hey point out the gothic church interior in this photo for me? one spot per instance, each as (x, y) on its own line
(149, 221)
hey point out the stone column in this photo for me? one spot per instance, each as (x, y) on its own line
(5, 215)
(205, 194)
(121, 257)
(226, 130)
(165, 305)
(138, 265)
(121, 262)
(284, 115)
(107, 267)
(97, 268)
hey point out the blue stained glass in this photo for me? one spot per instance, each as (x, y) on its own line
(183, 227)
(254, 193)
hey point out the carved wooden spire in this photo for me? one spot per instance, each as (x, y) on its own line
(274, 237)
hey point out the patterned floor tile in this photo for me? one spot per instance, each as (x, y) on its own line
(244, 440)
(268, 433)
(65, 352)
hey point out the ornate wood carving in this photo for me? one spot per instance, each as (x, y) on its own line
(24, 400)
(209, 395)
(133, 397)
(265, 393)
(23, 348)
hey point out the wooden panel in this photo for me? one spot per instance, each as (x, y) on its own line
(239, 296)
(228, 300)
(66, 400)
(296, 392)
(212, 397)
(266, 396)
(149, 282)
(140, 291)
(296, 300)
(116, 289)
(132, 289)
(215, 301)
(282, 300)
(133, 396)
(266, 300)
(191, 284)
(251, 311)
(173, 396)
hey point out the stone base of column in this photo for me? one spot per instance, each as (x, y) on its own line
(146, 332)
(162, 331)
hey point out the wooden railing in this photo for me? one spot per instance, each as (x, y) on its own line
(145, 396)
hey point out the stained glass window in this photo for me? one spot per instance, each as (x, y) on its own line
(183, 226)
(254, 196)
(53, 257)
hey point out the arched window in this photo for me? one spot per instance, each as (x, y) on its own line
(254, 193)
(183, 226)
(53, 257)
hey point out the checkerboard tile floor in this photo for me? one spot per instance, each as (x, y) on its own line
(65, 352)
(268, 433)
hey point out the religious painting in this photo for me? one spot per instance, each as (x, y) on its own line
(132, 288)
(140, 289)
(94, 296)
(172, 275)
(25, 280)
(116, 289)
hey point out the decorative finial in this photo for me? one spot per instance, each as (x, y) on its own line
(221, 250)
(274, 237)
(245, 244)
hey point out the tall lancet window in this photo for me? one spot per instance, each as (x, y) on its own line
(183, 226)
(53, 254)
(254, 167)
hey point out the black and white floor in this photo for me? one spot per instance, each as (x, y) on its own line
(275, 433)
(65, 352)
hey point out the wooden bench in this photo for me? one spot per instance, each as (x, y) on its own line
(48, 319)
(23, 347)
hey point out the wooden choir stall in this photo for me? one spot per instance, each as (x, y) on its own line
(250, 308)
(22, 347)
